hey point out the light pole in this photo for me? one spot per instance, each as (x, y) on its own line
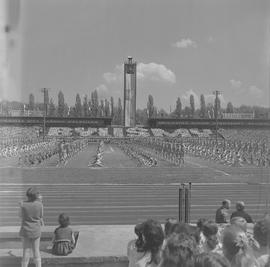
(216, 93)
(44, 91)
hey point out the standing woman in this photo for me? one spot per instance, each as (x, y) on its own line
(31, 213)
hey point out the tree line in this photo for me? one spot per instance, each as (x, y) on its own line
(92, 106)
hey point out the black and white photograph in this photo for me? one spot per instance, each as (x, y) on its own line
(135, 133)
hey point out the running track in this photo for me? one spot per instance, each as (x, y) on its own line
(126, 194)
(128, 203)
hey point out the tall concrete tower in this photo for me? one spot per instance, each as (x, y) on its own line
(130, 93)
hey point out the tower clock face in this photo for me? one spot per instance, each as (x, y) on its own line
(130, 69)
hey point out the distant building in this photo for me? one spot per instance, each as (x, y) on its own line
(238, 116)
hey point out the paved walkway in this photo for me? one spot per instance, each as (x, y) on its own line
(97, 244)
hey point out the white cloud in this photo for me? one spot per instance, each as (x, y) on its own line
(254, 91)
(102, 90)
(151, 71)
(185, 43)
(210, 39)
(209, 98)
(235, 83)
(186, 98)
(155, 72)
(115, 76)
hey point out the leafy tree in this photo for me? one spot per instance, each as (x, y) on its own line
(94, 103)
(217, 107)
(85, 107)
(52, 109)
(78, 106)
(162, 113)
(210, 111)
(187, 112)
(203, 107)
(119, 112)
(141, 116)
(192, 105)
(66, 110)
(112, 107)
(107, 108)
(31, 102)
(61, 104)
(229, 108)
(150, 106)
(178, 109)
(101, 108)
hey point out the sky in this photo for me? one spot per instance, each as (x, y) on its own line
(181, 47)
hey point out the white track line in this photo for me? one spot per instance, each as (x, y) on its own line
(133, 184)
(204, 166)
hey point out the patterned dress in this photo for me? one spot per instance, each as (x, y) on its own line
(63, 241)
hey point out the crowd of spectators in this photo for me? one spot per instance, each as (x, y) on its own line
(235, 243)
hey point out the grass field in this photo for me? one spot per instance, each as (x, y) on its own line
(122, 193)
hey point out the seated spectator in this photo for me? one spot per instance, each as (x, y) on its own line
(63, 241)
(240, 212)
(170, 222)
(222, 215)
(148, 245)
(211, 259)
(209, 239)
(236, 248)
(134, 246)
(179, 251)
(262, 235)
(242, 224)
(185, 228)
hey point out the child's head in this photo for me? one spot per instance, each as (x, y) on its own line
(32, 193)
(240, 222)
(63, 220)
(236, 247)
(170, 222)
(179, 251)
(211, 260)
(262, 231)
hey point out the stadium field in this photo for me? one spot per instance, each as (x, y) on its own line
(122, 193)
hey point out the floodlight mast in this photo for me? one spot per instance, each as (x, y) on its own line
(44, 91)
(216, 93)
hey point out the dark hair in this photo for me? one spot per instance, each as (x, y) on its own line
(152, 237)
(190, 230)
(139, 241)
(32, 193)
(226, 201)
(170, 222)
(209, 228)
(200, 223)
(211, 259)
(240, 205)
(63, 220)
(240, 222)
(262, 231)
(179, 251)
(234, 241)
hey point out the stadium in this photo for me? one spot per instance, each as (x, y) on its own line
(182, 181)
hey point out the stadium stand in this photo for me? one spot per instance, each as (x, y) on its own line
(137, 132)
